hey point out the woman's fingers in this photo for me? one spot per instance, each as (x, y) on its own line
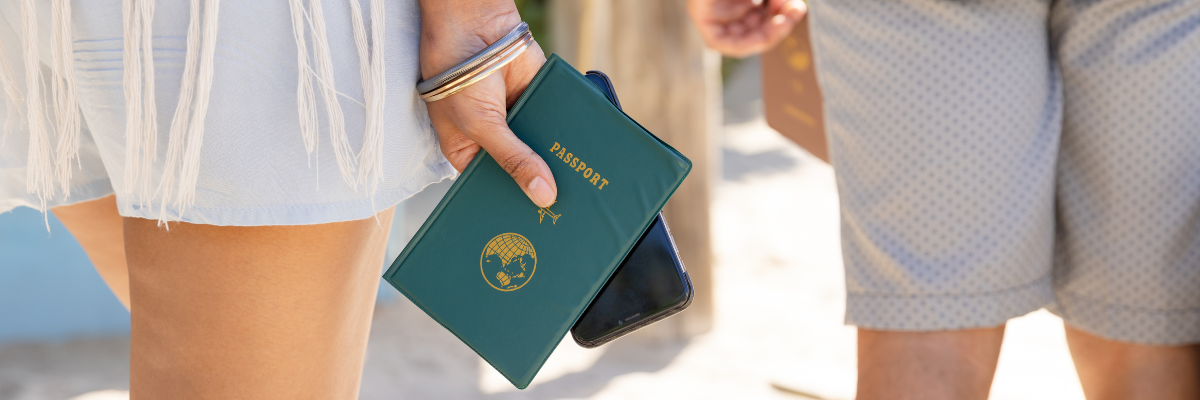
(476, 117)
(486, 125)
(451, 31)
(525, 166)
(521, 71)
(478, 113)
(457, 148)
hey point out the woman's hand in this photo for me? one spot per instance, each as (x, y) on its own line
(740, 28)
(452, 31)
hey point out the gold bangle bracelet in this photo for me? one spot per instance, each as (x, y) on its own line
(482, 71)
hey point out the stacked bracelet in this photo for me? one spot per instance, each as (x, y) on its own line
(478, 66)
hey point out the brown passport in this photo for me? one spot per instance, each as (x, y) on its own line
(790, 94)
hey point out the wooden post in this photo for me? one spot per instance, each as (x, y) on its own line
(671, 84)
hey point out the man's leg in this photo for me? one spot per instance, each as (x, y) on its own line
(1128, 263)
(943, 119)
(270, 312)
(98, 229)
(952, 365)
(1111, 370)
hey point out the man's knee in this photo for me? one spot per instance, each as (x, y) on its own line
(927, 365)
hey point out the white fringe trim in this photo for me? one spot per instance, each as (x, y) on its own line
(367, 167)
(371, 70)
(66, 101)
(191, 164)
(12, 91)
(44, 168)
(186, 134)
(39, 172)
(140, 142)
(183, 112)
(305, 98)
(333, 108)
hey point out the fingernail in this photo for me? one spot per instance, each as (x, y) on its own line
(800, 6)
(540, 192)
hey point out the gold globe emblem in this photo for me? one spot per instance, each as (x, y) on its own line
(508, 261)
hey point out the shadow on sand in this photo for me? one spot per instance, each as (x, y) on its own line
(738, 165)
(624, 356)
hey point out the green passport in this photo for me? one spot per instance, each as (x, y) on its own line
(509, 278)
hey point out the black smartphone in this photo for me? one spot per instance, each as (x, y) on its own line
(649, 285)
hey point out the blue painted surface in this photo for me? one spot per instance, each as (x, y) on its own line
(50, 292)
(48, 288)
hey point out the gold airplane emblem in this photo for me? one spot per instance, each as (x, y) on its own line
(544, 211)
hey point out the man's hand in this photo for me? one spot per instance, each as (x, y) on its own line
(740, 28)
(452, 31)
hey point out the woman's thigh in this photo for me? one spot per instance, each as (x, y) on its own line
(98, 229)
(252, 312)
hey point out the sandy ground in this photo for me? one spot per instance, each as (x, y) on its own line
(779, 294)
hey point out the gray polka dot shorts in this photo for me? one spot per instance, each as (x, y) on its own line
(995, 157)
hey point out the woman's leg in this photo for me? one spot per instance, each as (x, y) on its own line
(270, 312)
(98, 229)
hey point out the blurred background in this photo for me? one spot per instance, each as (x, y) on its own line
(756, 223)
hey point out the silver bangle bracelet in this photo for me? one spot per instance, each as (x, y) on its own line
(488, 60)
(482, 71)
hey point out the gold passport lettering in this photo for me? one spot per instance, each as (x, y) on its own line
(581, 167)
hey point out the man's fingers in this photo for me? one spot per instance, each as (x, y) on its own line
(794, 9)
(725, 11)
(781, 24)
(757, 26)
(754, 19)
(774, 6)
(777, 28)
(736, 29)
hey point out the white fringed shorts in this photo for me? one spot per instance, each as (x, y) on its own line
(995, 157)
(253, 166)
